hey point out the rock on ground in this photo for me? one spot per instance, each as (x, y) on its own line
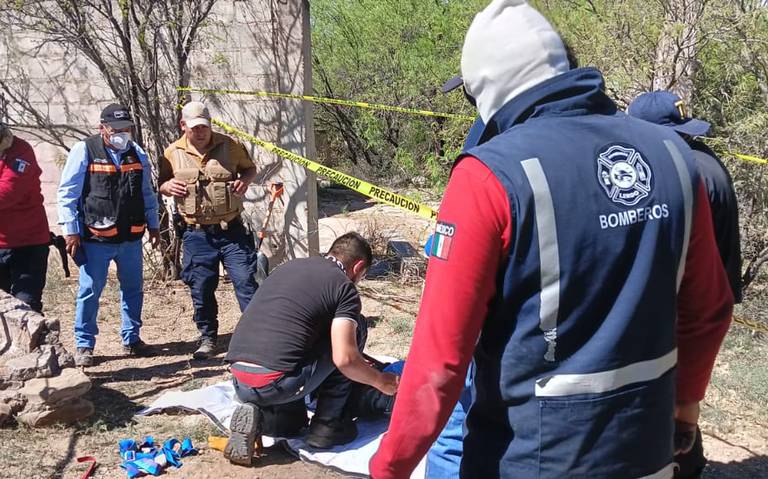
(70, 384)
(41, 415)
(33, 385)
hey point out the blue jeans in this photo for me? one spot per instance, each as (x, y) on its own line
(22, 273)
(444, 457)
(333, 389)
(128, 257)
(203, 249)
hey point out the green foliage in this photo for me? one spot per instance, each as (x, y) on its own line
(400, 51)
(396, 52)
(732, 92)
(617, 37)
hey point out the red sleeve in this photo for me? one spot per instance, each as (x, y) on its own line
(14, 186)
(471, 242)
(704, 307)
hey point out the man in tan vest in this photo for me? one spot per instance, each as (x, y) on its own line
(208, 174)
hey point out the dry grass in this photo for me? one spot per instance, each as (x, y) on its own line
(736, 409)
(391, 316)
(739, 389)
(122, 386)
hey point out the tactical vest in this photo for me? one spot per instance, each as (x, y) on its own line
(113, 200)
(210, 199)
(576, 361)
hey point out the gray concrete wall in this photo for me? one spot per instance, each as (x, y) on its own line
(264, 46)
(254, 45)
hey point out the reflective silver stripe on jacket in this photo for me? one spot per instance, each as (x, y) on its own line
(685, 183)
(549, 253)
(605, 381)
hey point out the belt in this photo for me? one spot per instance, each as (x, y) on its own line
(253, 375)
(216, 227)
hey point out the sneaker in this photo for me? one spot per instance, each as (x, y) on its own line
(84, 357)
(139, 349)
(325, 434)
(245, 427)
(206, 350)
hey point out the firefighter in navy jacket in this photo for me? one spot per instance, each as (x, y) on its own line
(592, 293)
(106, 201)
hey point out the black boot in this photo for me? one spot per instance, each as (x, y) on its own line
(327, 433)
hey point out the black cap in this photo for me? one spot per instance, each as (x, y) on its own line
(116, 116)
(452, 84)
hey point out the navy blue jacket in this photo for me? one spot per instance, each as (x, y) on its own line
(576, 360)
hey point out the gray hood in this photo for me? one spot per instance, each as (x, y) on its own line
(509, 48)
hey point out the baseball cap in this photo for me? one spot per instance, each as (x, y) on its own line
(667, 109)
(116, 116)
(497, 65)
(196, 113)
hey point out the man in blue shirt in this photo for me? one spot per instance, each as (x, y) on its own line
(105, 201)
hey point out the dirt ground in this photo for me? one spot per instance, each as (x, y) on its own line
(735, 422)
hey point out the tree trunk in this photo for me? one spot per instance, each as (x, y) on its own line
(753, 269)
(675, 64)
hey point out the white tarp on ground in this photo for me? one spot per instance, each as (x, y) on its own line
(218, 402)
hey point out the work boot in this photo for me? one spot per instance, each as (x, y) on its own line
(206, 350)
(84, 357)
(325, 434)
(138, 349)
(245, 427)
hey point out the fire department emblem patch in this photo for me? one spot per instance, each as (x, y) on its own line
(624, 175)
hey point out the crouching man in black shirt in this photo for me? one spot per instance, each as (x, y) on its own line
(303, 333)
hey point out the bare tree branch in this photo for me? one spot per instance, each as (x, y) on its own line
(140, 48)
(753, 269)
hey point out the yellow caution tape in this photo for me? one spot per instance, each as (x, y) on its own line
(331, 101)
(750, 158)
(377, 106)
(753, 325)
(370, 190)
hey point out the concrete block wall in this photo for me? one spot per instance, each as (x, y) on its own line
(253, 45)
(264, 46)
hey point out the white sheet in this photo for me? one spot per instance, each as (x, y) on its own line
(219, 401)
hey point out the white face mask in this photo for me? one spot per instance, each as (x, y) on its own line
(120, 141)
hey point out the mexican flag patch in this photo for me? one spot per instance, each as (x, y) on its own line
(442, 240)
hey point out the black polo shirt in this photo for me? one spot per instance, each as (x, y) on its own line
(288, 322)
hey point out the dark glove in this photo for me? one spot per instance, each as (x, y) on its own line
(60, 244)
(685, 436)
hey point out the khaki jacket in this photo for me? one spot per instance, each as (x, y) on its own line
(208, 176)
